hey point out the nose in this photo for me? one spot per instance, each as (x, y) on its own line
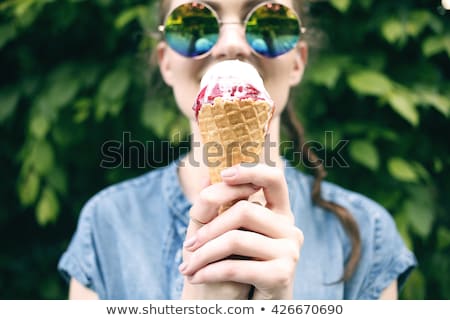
(232, 43)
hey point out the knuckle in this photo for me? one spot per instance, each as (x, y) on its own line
(203, 232)
(292, 251)
(232, 240)
(229, 272)
(276, 175)
(283, 273)
(241, 205)
(299, 236)
(206, 198)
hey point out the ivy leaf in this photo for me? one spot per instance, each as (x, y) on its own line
(402, 170)
(114, 84)
(157, 117)
(393, 30)
(415, 290)
(443, 238)
(129, 15)
(417, 22)
(39, 126)
(341, 5)
(403, 104)
(57, 179)
(28, 188)
(42, 157)
(420, 211)
(366, 4)
(369, 82)
(8, 102)
(7, 32)
(47, 208)
(433, 45)
(327, 71)
(439, 102)
(365, 153)
(402, 222)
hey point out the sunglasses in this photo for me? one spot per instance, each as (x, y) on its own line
(192, 29)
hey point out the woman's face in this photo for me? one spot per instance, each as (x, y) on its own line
(184, 74)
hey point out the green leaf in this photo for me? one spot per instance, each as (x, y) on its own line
(402, 170)
(157, 117)
(366, 4)
(443, 238)
(437, 101)
(57, 179)
(421, 218)
(433, 45)
(438, 165)
(129, 15)
(105, 107)
(403, 104)
(42, 157)
(420, 211)
(393, 30)
(402, 223)
(7, 33)
(365, 153)
(415, 288)
(39, 126)
(82, 109)
(8, 101)
(28, 188)
(114, 84)
(62, 92)
(327, 71)
(417, 22)
(370, 83)
(47, 208)
(341, 5)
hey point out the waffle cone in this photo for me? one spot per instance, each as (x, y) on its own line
(233, 132)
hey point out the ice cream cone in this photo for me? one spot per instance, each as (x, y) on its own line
(233, 111)
(233, 132)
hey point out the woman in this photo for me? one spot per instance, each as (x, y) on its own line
(159, 236)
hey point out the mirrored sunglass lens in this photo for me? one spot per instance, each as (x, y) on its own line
(273, 30)
(191, 29)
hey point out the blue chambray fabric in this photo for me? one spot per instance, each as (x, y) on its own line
(128, 242)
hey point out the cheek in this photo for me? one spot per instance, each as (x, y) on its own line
(185, 92)
(278, 89)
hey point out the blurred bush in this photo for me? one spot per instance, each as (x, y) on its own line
(75, 74)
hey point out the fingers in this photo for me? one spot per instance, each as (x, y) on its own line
(211, 198)
(276, 274)
(248, 216)
(271, 179)
(239, 243)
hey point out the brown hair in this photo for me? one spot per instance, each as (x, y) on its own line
(297, 131)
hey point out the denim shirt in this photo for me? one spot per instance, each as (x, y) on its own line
(128, 242)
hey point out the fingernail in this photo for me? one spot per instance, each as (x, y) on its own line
(228, 172)
(189, 242)
(182, 267)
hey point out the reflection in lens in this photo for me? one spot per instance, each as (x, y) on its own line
(191, 29)
(273, 30)
(259, 45)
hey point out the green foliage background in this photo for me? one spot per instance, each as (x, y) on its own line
(74, 74)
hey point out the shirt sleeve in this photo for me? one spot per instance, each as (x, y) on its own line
(391, 259)
(79, 260)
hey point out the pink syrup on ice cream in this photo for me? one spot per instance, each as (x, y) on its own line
(231, 79)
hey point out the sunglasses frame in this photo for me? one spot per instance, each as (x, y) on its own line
(220, 23)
